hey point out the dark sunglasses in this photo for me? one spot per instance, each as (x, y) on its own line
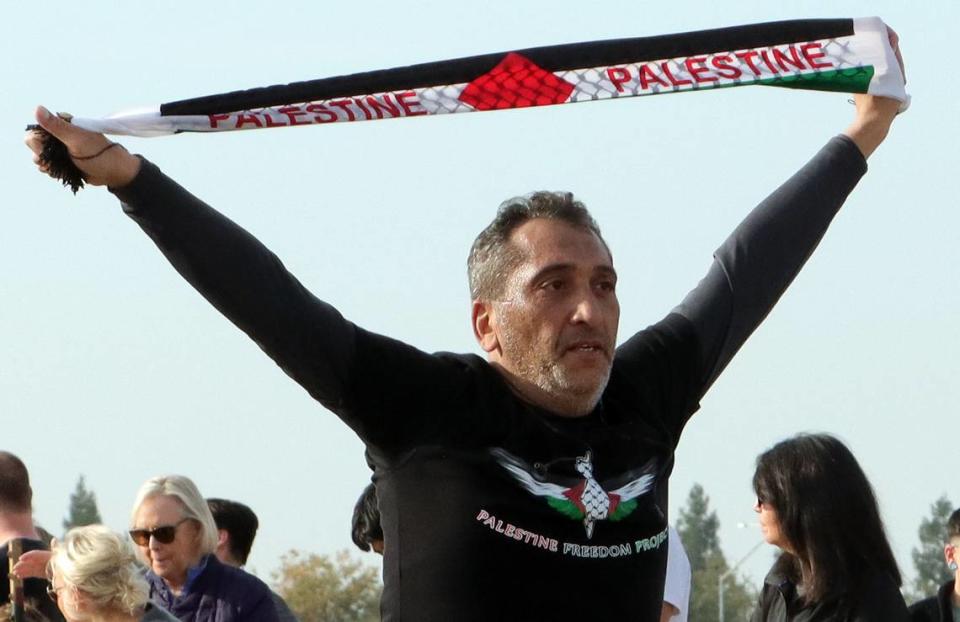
(164, 534)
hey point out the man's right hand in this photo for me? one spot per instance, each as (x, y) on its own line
(114, 167)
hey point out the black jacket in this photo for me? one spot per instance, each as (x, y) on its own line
(878, 600)
(936, 608)
(34, 590)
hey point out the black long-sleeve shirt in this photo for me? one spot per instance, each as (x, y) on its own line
(492, 508)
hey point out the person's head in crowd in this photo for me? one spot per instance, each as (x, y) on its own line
(30, 614)
(95, 576)
(816, 504)
(16, 496)
(366, 531)
(16, 523)
(172, 527)
(951, 551)
(237, 527)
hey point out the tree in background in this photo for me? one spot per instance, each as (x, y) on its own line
(321, 588)
(928, 560)
(698, 527)
(83, 507)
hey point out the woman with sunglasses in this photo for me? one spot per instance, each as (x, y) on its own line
(95, 577)
(815, 503)
(945, 606)
(176, 536)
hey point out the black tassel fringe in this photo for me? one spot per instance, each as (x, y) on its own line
(56, 158)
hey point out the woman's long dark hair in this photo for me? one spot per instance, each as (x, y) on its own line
(828, 514)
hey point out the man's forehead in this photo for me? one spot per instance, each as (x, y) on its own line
(545, 241)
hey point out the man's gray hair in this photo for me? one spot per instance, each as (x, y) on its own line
(492, 258)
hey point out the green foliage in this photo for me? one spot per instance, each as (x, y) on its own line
(83, 507)
(698, 527)
(321, 588)
(739, 598)
(928, 558)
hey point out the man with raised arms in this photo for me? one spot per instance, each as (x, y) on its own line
(556, 432)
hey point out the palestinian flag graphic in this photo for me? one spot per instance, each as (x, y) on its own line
(585, 500)
(848, 55)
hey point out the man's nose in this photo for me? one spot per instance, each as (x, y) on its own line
(585, 308)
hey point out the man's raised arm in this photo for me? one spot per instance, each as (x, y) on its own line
(308, 338)
(754, 266)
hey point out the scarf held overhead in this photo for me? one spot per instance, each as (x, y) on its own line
(846, 55)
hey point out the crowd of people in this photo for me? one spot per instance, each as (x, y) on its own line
(183, 556)
(548, 460)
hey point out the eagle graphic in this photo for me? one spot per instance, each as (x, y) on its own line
(586, 500)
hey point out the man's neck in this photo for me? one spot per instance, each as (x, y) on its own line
(531, 393)
(17, 525)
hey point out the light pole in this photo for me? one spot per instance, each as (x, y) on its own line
(726, 574)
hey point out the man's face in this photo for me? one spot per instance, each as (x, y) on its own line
(556, 327)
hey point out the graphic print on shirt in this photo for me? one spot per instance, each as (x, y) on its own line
(586, 500)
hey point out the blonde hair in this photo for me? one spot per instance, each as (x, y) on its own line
(194, 505)
(103, 565)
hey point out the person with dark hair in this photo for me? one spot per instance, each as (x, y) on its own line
(237, 527)
(16, 523)
(816, 504)
(365, 530)
(530, 483)
(945, 606)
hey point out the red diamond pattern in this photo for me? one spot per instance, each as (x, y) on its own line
(516, 82)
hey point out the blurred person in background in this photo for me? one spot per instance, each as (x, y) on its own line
(176, 535)
(237, 527)
(816, 504)
(365, 529)
(945, 606)
(16, 523)
(95, 577)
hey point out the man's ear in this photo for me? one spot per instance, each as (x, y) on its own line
(223, 537)
(484, 319)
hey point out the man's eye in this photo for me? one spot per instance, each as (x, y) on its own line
(607, 286)
(553, 285)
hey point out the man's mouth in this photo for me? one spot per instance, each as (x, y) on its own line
(586, 346)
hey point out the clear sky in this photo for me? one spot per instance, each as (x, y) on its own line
(111, 366)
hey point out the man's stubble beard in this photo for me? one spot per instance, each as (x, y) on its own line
(550, 375)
